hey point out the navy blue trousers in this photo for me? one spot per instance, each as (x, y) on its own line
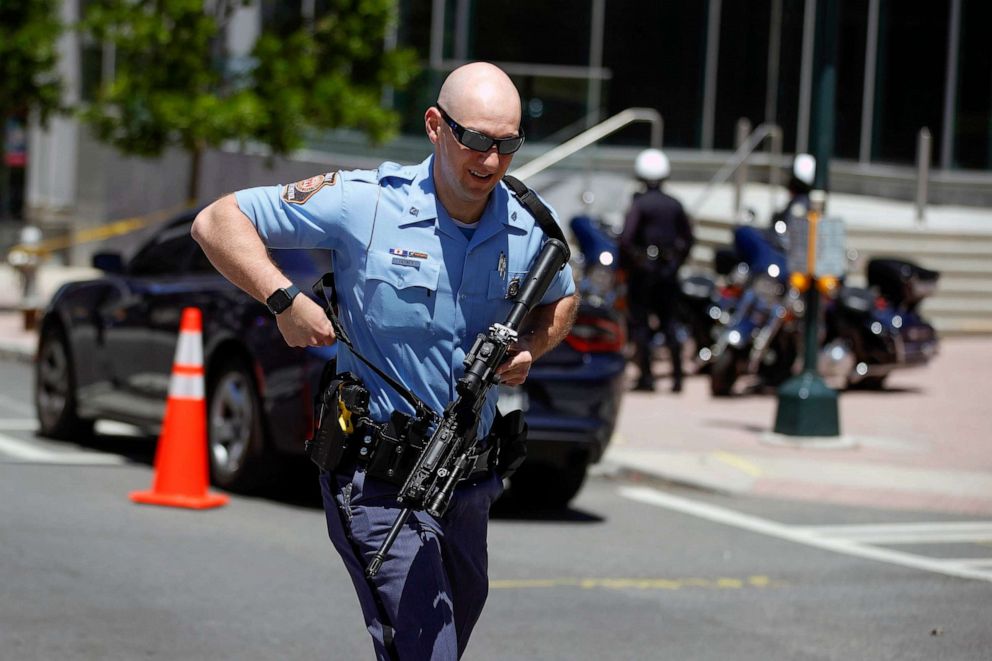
(429, 593)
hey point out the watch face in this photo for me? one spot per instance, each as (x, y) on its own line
(279, 301)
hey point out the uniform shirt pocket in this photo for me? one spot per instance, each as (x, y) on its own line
(400, 293)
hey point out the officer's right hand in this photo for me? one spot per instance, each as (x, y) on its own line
(304, 324)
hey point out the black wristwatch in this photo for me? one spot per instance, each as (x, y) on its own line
(282, 299)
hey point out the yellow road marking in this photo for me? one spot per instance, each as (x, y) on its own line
(739, 463)
(721, 583)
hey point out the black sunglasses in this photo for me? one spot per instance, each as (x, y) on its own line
(480, 141)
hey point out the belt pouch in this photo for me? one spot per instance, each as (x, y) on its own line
(395, 452)
(509, 436)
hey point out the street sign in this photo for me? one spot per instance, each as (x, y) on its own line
(829, 247)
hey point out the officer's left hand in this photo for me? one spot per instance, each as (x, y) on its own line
(516, 367)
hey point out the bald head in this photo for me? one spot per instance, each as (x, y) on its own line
(482, 90)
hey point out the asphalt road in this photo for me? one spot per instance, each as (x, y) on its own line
(632, 571)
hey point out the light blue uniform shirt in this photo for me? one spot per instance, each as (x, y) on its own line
(413, 291)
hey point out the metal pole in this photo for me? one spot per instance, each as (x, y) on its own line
(806, 77)
(868, 92)
(461, 29)
(389, 41)
(774, 54)
(709, 83)
(740, 177)
(594, 85)
(922, 172)
(437, 34)
(774, 167)
(951, 86)
(806, 406)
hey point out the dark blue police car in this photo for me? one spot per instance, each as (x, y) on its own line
(106, 348)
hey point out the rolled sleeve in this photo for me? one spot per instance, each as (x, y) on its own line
(283, 224)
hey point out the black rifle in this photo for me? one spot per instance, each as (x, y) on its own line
(450, 454)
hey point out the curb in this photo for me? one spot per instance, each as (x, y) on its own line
(17, 354)
(612, 470)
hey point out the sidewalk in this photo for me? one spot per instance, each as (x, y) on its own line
(924, 443)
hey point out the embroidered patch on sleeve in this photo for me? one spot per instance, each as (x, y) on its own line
(301, 191)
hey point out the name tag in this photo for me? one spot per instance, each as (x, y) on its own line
(402, 261)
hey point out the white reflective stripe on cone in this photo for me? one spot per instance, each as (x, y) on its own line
(184, 386)
(189, 351)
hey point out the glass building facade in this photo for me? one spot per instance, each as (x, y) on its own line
(703, 64)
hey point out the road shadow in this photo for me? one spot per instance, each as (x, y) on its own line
(293, 481)
(136, 449)
(508, 509)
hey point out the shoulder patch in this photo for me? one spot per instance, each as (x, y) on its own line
(301, 191)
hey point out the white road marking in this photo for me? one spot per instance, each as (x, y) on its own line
(13, 404)
(910, 533)
(18, 424)
(28, 452)
(807, 536)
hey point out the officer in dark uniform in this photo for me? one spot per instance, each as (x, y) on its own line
(800, 184)
(426, 257)
(655, 242)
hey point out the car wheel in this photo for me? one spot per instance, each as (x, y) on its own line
(55, 389)
(235, 434)
(537, 486)
(723, 373)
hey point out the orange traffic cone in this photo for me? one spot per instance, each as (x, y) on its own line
(181, 474)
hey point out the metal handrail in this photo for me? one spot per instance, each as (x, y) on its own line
(739, 157)
(595, 134)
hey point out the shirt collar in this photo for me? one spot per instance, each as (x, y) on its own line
(423, 205)
(422, 198)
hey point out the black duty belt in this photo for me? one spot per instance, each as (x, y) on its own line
(391, 459)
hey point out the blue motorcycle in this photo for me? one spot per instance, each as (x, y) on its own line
(760, 336)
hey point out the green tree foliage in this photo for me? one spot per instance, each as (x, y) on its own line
(29, 30)
(172, 85)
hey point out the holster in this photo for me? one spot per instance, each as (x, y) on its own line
(339, 402)
(509, 436)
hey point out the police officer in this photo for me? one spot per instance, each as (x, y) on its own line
(800, 184)
(425, 257)
(655, 242)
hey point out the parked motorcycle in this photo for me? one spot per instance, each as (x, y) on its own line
(872, 331)
(760, 335)
(602, 282)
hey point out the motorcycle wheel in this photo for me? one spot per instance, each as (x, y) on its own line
(724, 373)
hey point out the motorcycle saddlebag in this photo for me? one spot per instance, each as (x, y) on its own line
(901, 281)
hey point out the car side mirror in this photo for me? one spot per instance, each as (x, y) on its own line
(108, 262)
